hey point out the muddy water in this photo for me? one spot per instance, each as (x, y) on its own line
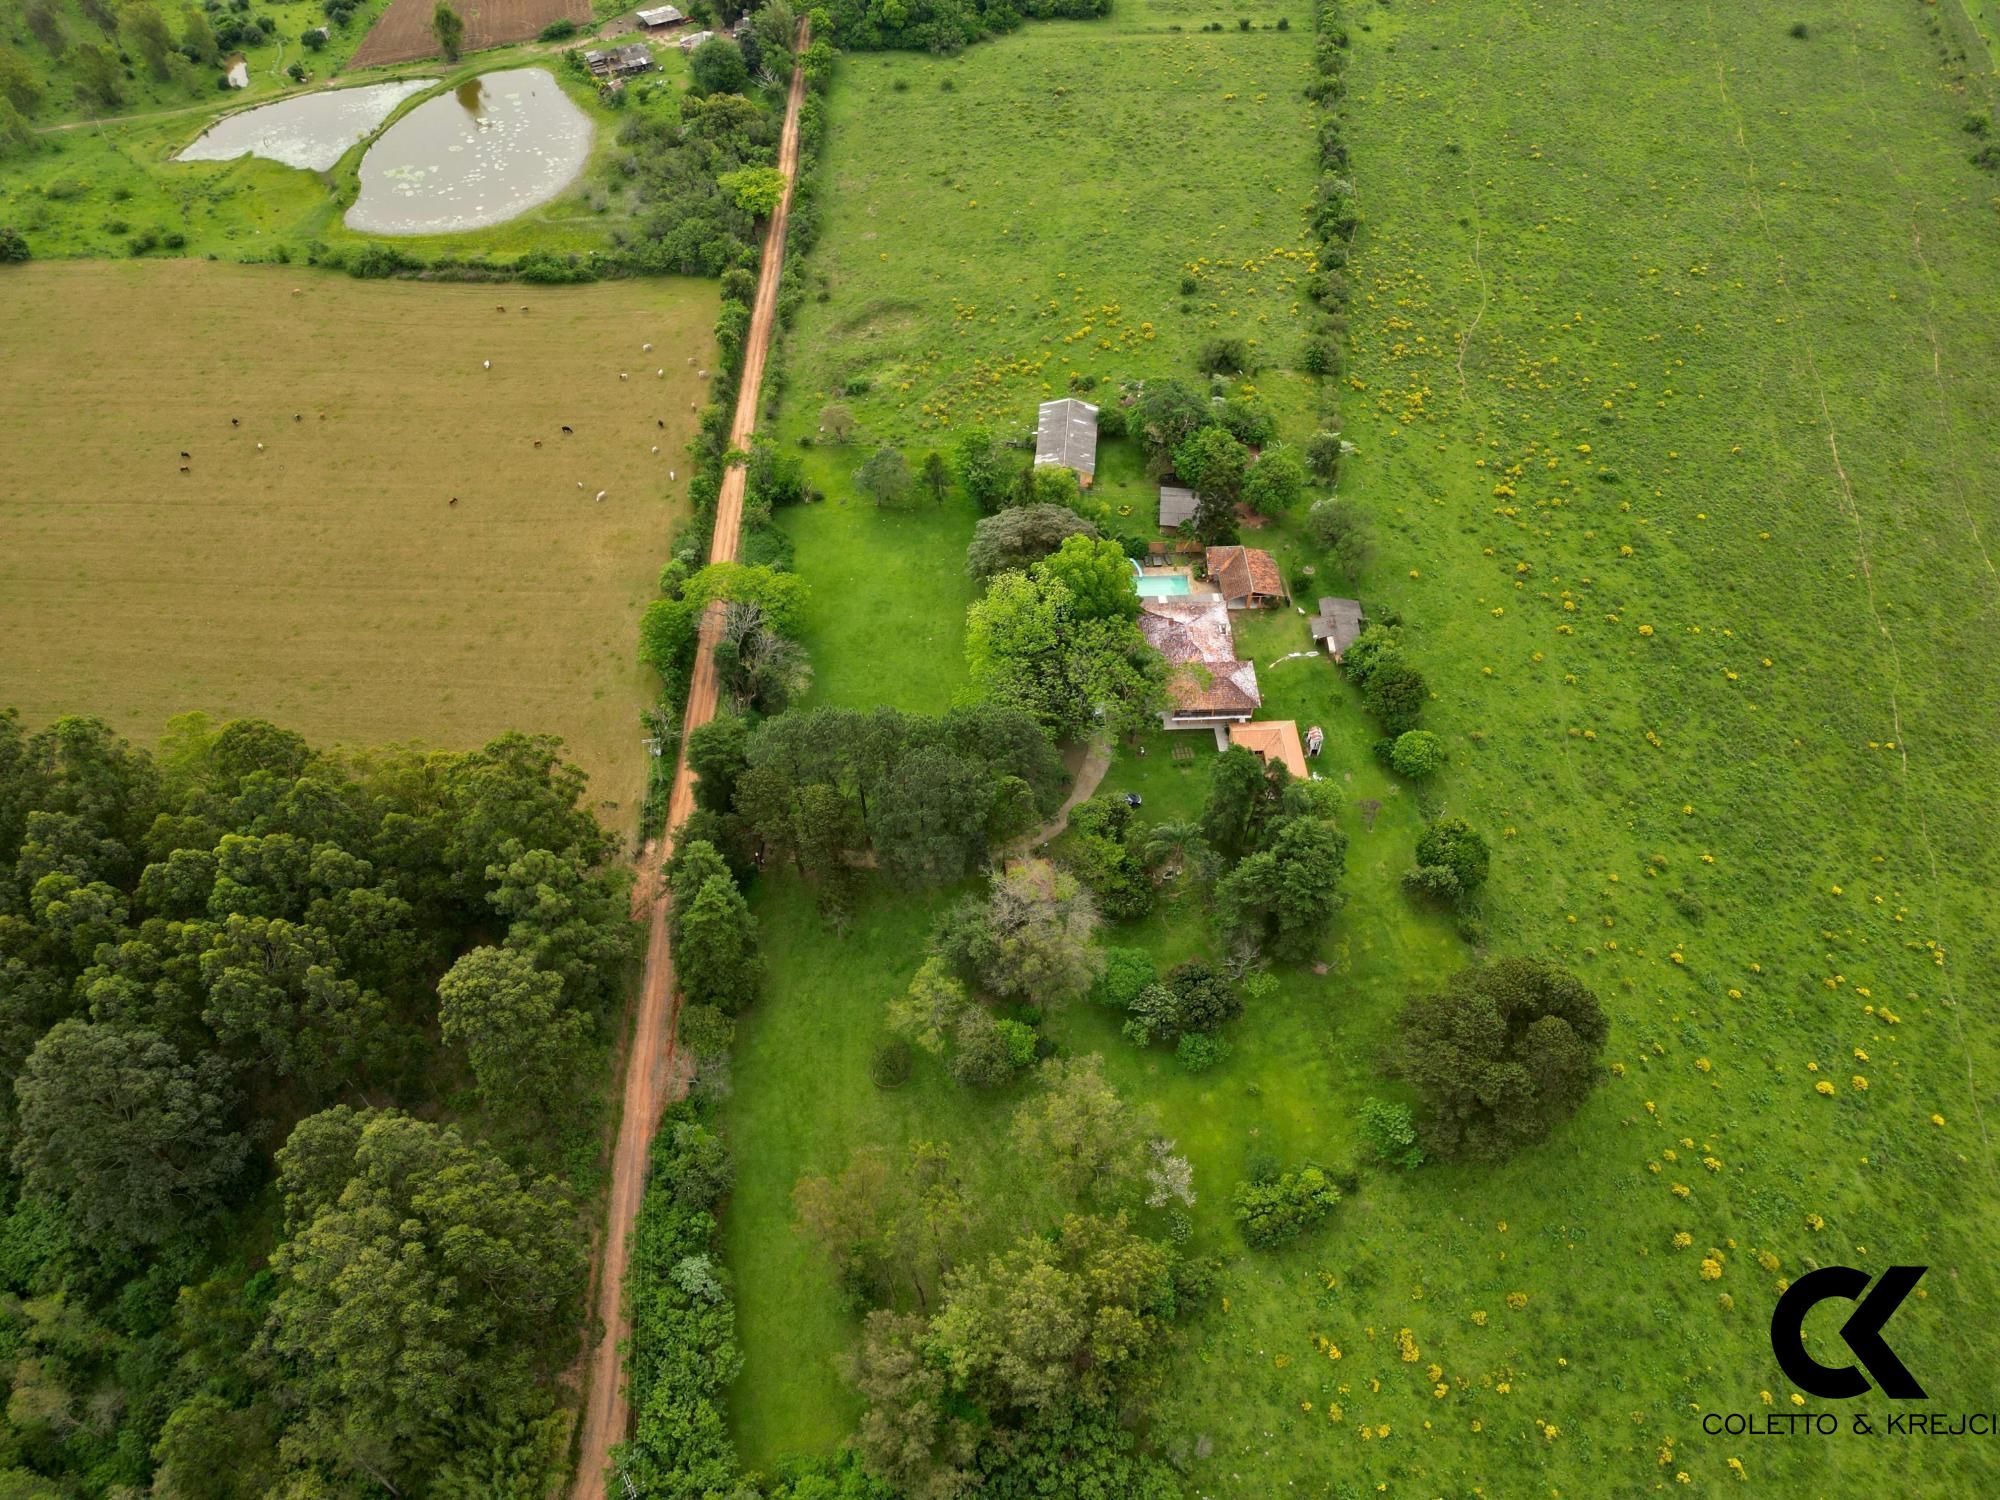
(493, 148)
(309, 131)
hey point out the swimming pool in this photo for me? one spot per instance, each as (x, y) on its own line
(1162, 585)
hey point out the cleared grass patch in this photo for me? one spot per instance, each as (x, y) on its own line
(327, 582)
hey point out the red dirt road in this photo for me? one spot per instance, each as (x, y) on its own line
(649, 1068)
(403, 34)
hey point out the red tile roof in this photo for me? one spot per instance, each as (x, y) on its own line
(1242, 571)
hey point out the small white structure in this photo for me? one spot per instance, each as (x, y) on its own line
(693, 40)
(237, 72)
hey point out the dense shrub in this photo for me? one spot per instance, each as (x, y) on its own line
(1391, 1134)
(683, 1353)
(1281, 1208)
(1417, 754)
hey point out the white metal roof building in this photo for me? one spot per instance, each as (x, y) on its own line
(1067, 435)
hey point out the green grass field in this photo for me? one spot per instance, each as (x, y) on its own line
(96, 190)
(1671, 405)
(189, 86)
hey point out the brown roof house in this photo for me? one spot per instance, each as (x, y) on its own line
(1247, 576)
(1337, 625)
(1066, 435)
(1207, 687)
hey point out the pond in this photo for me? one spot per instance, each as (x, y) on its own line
(493, 148)
(309, 131)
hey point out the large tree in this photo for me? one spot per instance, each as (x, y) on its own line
(985, 468)
(523, 1043)
(1020, 536)
(1078, 1133)
(1213, 463)
(1055, 1319)
(1500, 1055)
(1031, 647)
(885, 478)
(1282, 896)
(1031, 940)
(134, 1141)
(715, 956)
(1100, 578)
(449, 29)
(425, 1292)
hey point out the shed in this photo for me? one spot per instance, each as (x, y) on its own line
(1247, 576)
(1066, 435)
(619, 62)
(1337, 624)
(1177, 506)
(694, 39)
(660, 17)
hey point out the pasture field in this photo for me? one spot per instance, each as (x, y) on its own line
(403, 34)
(114, 190)
(190, 88)
(1071, 174)
(1671, 405)
(326, 581)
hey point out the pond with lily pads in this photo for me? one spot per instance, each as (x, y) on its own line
(308, 131)
(485, 152)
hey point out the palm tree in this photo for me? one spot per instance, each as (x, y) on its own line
(1176, 849)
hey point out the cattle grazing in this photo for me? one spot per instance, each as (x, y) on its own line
(568, 431)
(184, 453)
(454, 499)
(185, 469)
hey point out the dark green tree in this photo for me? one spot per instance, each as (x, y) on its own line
(449, 29)
(1021, 535)
(425, 1294)
(1282, 896)
(524, 1044)
(715, 957)
(131, 1139)
(717, 67)
(1499, 1056)
(935, 475)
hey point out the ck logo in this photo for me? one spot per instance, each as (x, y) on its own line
(1862, 1332)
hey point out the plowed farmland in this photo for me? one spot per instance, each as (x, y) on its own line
(404, 33)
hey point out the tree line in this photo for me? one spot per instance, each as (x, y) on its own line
(299, 1048)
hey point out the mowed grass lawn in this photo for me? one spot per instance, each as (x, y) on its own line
(327, 582)
(1732, 306)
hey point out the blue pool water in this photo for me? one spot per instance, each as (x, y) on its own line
(1161, 585)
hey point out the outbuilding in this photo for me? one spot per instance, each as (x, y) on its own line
(1337, 625)
(661, 18)
(1066, 436)
(1247, 577)
(619, 62)
(1178, 506)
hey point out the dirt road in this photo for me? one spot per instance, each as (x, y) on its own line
(649, 1068)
